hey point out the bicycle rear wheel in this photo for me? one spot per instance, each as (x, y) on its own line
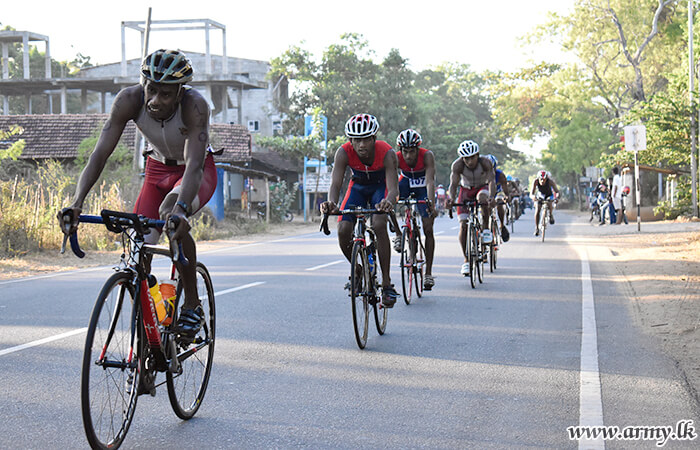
(473, 253)
(493, 247)
(407, 264)
(110, 379)
(187, 386)
(419, 265)
(360, 287)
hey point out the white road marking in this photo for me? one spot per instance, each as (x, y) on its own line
(239, 288)
(42, 341)
(325, 265)
(590, 400)
(83, 330)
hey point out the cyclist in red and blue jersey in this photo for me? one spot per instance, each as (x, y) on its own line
(374, 184)
(417, 177)
(502, 196)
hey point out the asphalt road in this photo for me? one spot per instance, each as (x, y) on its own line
(510, 364)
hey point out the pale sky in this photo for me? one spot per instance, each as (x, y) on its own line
(484, 34)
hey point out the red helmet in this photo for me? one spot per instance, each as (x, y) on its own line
(626, 190)
(542, 174)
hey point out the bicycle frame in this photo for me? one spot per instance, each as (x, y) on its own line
(133, 262)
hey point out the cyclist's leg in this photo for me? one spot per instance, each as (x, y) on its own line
(538, 206)
(354, 196)
(188, 273)
(379, 224)
(550, 205)
(483, 198)
(463, 216)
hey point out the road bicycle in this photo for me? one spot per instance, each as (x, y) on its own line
(412, 249)
(475, 249)
(364, 288)
(545, 214)
(497, 238)
(127, 346)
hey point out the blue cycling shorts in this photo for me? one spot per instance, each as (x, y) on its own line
(420, 193)
(363, 195)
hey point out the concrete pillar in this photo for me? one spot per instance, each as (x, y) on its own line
(207, 54)
(83, 101)
(224, 105)
(239, 93)
(224, 63)
(25, 62)
(103, 102)
(5, 61)
(123, 51)
(49, 102)
(5, 105)
(28, 104)
(64, 106)
(48, 60)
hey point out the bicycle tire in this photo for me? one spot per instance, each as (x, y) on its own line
(359, 282)
(493, 246)
(473, 253)
(111, 334)
(419, 270)
(480, 260)
(406, 266)
(543, 221)
(381, 314)
(187, 387)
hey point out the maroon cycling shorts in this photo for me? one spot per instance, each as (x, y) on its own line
(161, 179)
(468, 194)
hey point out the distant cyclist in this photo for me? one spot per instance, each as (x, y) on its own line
(440, 197)
(544, 187)
(374, 184)
(502, 195)
(417, 177)
(180, 172)
(475, 178)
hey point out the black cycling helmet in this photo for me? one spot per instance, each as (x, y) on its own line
(167, 66)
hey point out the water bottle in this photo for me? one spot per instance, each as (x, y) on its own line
(168, 292)
(156, 297)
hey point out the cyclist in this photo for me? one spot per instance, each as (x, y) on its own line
(475, 177)
(180, 173)
(440, 196)
(544, 186)
(502, 195)
(417, 177)
(374, 183)
(515, 193)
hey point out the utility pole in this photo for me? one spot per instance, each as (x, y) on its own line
(691, 87)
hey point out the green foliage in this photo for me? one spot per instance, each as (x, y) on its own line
(118, 168)
(446, 105)
(15, 149)
(281, 198)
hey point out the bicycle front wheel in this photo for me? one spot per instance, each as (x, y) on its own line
(473, 253)
(543, 222)
(407, 264)
(360, 287)
(110, 379)
(419, 270)
(187, 386)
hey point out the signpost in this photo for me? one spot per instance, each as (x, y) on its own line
(309, 130)
(635, 140)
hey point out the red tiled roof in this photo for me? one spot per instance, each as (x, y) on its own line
(59, 135)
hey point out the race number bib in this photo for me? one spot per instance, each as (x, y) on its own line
(416, 182)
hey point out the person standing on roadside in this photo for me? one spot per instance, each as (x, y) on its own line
(616, 196)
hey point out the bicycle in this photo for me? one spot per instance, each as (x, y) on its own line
(412, 249)
(126, 346)
(475, 248)
(544, 214)
(496, 240)
(364, 288)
